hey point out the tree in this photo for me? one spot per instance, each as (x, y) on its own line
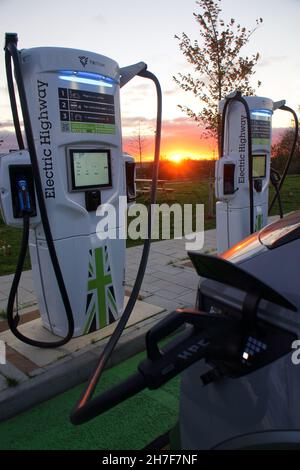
(220, 68)
(281, 152)
(138, 143)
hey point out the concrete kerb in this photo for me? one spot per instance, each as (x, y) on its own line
(60, 377)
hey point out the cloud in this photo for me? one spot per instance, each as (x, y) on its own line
(139, 89)
(133, 122)
(272, 60)
(99, 19)
(179, 123)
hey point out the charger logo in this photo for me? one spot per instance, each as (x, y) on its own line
(189, 352)
(83, 60)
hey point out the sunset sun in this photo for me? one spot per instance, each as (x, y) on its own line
(176, 158)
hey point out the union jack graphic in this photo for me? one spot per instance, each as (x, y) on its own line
(101, 307)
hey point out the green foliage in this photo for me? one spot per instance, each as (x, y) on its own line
(219, 66)
(3, 314)
(10, 239)
(290, 195)
(281, 152)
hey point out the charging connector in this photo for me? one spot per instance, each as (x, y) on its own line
(24, 196)
(22, 190)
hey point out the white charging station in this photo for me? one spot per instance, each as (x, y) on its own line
(232, 170)
(74, 106)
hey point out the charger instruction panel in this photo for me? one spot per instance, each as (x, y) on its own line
(86, 111)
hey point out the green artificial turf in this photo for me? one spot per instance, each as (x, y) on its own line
(131, 425)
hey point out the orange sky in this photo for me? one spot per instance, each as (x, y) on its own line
(180, 137)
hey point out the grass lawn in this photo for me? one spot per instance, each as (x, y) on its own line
(184, 193)
(10, 239)
(131, 425)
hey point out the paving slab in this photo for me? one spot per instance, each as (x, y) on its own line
(43, 357)
(169, 305)
(188, 298)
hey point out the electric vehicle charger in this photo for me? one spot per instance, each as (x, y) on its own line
(26, 199)
(238, 98)
(244, 170)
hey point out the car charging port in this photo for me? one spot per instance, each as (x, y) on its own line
(22, 190)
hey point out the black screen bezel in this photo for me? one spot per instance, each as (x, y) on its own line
(88, 150)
